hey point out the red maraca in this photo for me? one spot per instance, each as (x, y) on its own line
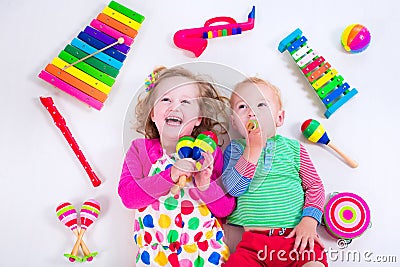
(67, 214)
(184, 148)
(89, 213)
(316, 133)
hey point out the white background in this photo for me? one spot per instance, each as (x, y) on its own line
(38, 170)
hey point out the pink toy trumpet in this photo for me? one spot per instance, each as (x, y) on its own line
(195, 39)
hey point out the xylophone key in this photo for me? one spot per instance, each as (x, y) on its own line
(87, 68)
(301, 52)
(122, 18)
(112, 52)
(110, 31)
(126, 11)
(69, 89)
(337, 92)
(324, 79)
(68, 78)
(335, 82)
(84, 77)
(305, 60)
(296, 44)
(106, 39)
(317, 73)
(313, 65)
(117, 25)
(103, 57)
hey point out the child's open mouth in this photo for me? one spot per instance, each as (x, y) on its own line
(173, 121)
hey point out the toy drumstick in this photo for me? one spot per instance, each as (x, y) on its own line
(119, 41)
(89, 213)
(67, 214)
(184, 148)
(251, 125)
(316, 133)
(62, 125)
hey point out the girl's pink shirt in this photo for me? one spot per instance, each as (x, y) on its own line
(138, 190)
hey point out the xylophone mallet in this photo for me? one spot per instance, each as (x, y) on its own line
(315, 132)
(119, 41)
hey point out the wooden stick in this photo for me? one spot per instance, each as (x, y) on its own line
(348, 160)
(85, 249)
(77, 243)
(120, 41)
(180, 184)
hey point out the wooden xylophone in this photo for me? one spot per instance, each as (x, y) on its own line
(329, 86)
(88, 66)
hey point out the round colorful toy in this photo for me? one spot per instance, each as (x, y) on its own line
(89, 213)
(315, 132)
(184, 148)
(356, 38)
(346, 216)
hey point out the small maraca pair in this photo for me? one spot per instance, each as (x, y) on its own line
(89, 213)
(188, 147)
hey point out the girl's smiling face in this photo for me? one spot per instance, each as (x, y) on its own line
(176, 109)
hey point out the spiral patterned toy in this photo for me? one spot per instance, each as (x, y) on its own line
(347, 216)
(356, 38)
(315, 132)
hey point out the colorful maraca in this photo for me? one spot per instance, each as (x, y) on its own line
(205, 141)
(89, 213)
(184, 148)
(67, 214)
(316, 133)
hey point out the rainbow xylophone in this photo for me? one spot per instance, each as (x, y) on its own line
(329, 86)
(88, 66)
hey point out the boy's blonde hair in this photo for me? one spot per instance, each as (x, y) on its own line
(213, 112)
(255, 81)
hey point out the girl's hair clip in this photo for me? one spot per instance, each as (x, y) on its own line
(150, 81)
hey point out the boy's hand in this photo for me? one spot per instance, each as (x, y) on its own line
(306, 234)
(182, 167)
(203, 177)
(254, 146)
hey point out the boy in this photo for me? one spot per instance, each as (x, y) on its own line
(279, 194)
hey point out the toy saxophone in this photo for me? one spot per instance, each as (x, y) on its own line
(195, 39)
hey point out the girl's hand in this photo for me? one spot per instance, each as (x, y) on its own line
(203, 177)
(181, 167)
(306, 234)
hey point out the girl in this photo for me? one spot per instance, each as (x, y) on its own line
(175, 230)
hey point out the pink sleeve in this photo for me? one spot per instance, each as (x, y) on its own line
(136, 188)
(216, 199)
(311, 182)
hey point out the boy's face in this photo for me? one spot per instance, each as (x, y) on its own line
(256, 102)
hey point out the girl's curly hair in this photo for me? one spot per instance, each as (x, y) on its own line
(212, 105)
